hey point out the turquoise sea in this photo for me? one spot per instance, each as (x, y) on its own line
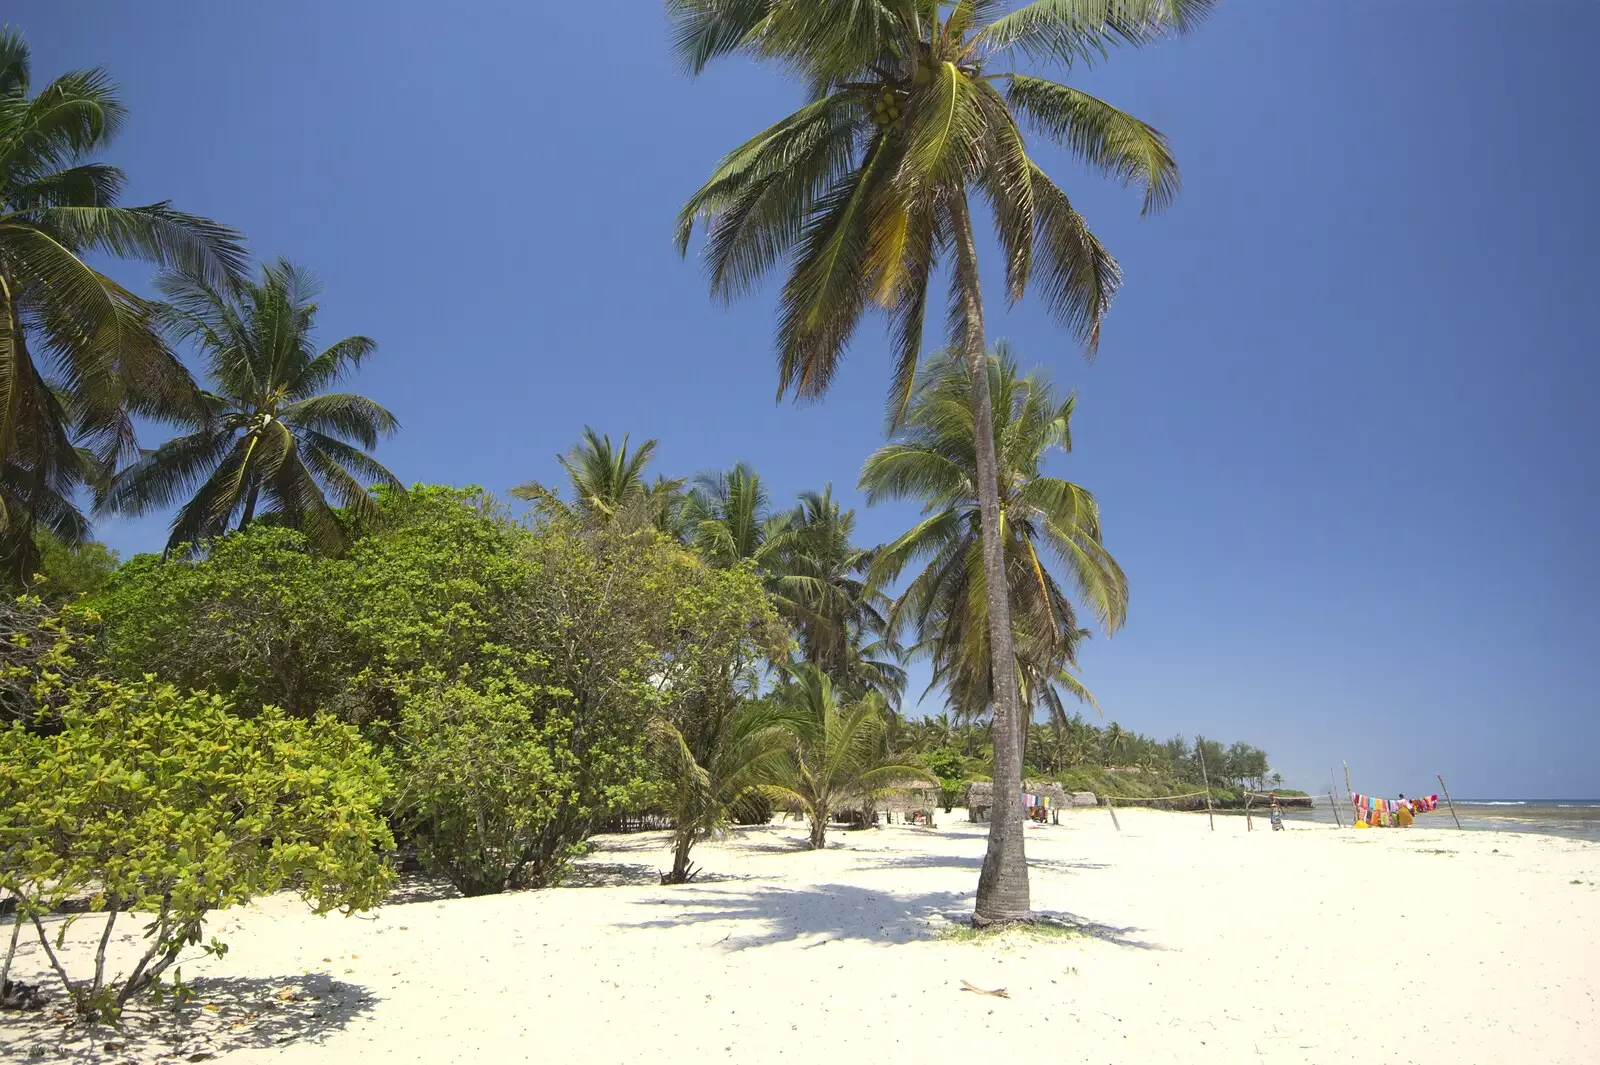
(1573, 818)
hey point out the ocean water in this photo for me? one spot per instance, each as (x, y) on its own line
(1573, 818)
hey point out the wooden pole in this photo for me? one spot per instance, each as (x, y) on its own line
(1331, 785)
(1447, 799)
(1200, 752)
(1113, 810)
(1249, 825)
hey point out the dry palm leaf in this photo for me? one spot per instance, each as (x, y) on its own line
(998, 992)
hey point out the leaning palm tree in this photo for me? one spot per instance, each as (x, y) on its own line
(838, 754)
(716, 772)
(77, 355)
(608, 483)
(912, 109)
(1049, 524)
(267, 432)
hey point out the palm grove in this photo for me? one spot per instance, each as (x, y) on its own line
(485, 689)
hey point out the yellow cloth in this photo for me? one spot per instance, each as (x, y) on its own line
(1404, 817)
(1362, 824)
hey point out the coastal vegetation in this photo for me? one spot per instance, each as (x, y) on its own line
(326, 673)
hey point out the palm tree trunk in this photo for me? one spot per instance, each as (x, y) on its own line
(680, 858)
(250, 503)
(1003, 883)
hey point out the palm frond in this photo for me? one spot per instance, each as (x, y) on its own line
(1111, 141)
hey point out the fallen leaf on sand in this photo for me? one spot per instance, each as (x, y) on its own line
(287, 996)
(998, 992)
(213, 1007)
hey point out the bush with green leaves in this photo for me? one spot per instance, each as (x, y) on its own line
(43, 652)
(509, 762)
(159, 806)
(257, 617)
(485, 770)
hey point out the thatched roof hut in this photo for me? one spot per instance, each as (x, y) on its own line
(980, 796)
(902, 796)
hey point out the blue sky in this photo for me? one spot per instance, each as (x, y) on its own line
(1340, 425)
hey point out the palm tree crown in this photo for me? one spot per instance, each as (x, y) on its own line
(76, 354)
(864, 188)
(729, 519)
(608, 483)
(267, 430)
(840, 619)
(838, 753)
(1049, 524)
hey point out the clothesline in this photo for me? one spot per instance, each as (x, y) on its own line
(1420, 804)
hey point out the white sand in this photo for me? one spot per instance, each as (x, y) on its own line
(1311, 945)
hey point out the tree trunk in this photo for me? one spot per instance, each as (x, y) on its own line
(250, 503)
(1003, 883)
(819, 831)
(680, 858)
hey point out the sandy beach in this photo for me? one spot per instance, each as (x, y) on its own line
(1311, 945)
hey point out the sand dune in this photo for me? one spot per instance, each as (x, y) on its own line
(1311, 945)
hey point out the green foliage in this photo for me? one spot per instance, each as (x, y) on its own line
(560, 642)
(43, 654)
(157, 803)
(77, 354)
(434, 584)
(258, 618)
(608, 485)
(72, 570)
(485, 769)
(954, 771)
(839, 617)
(1051, 526)
(269, 431)
(838, 755)
(740, 748)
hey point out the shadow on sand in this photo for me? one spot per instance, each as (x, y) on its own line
(784, 915)
(227, 1014)
(957, 861)
(773, 915)
(420, 887)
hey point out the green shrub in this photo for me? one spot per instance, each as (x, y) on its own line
(257, 618)
(169, 805)
(485, 770)
(43, 653)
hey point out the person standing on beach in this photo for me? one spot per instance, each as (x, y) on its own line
(1277, 813)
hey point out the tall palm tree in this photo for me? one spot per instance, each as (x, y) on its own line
(77, 355)
(911, 108)
(608, 482)
(838, 753)
(267, 430)
(839, 617)
(1049, 524)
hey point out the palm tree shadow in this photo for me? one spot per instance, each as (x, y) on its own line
(773, 915)
(1122, 937)
(824, 913)
(954, 861)
(227, 1014)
